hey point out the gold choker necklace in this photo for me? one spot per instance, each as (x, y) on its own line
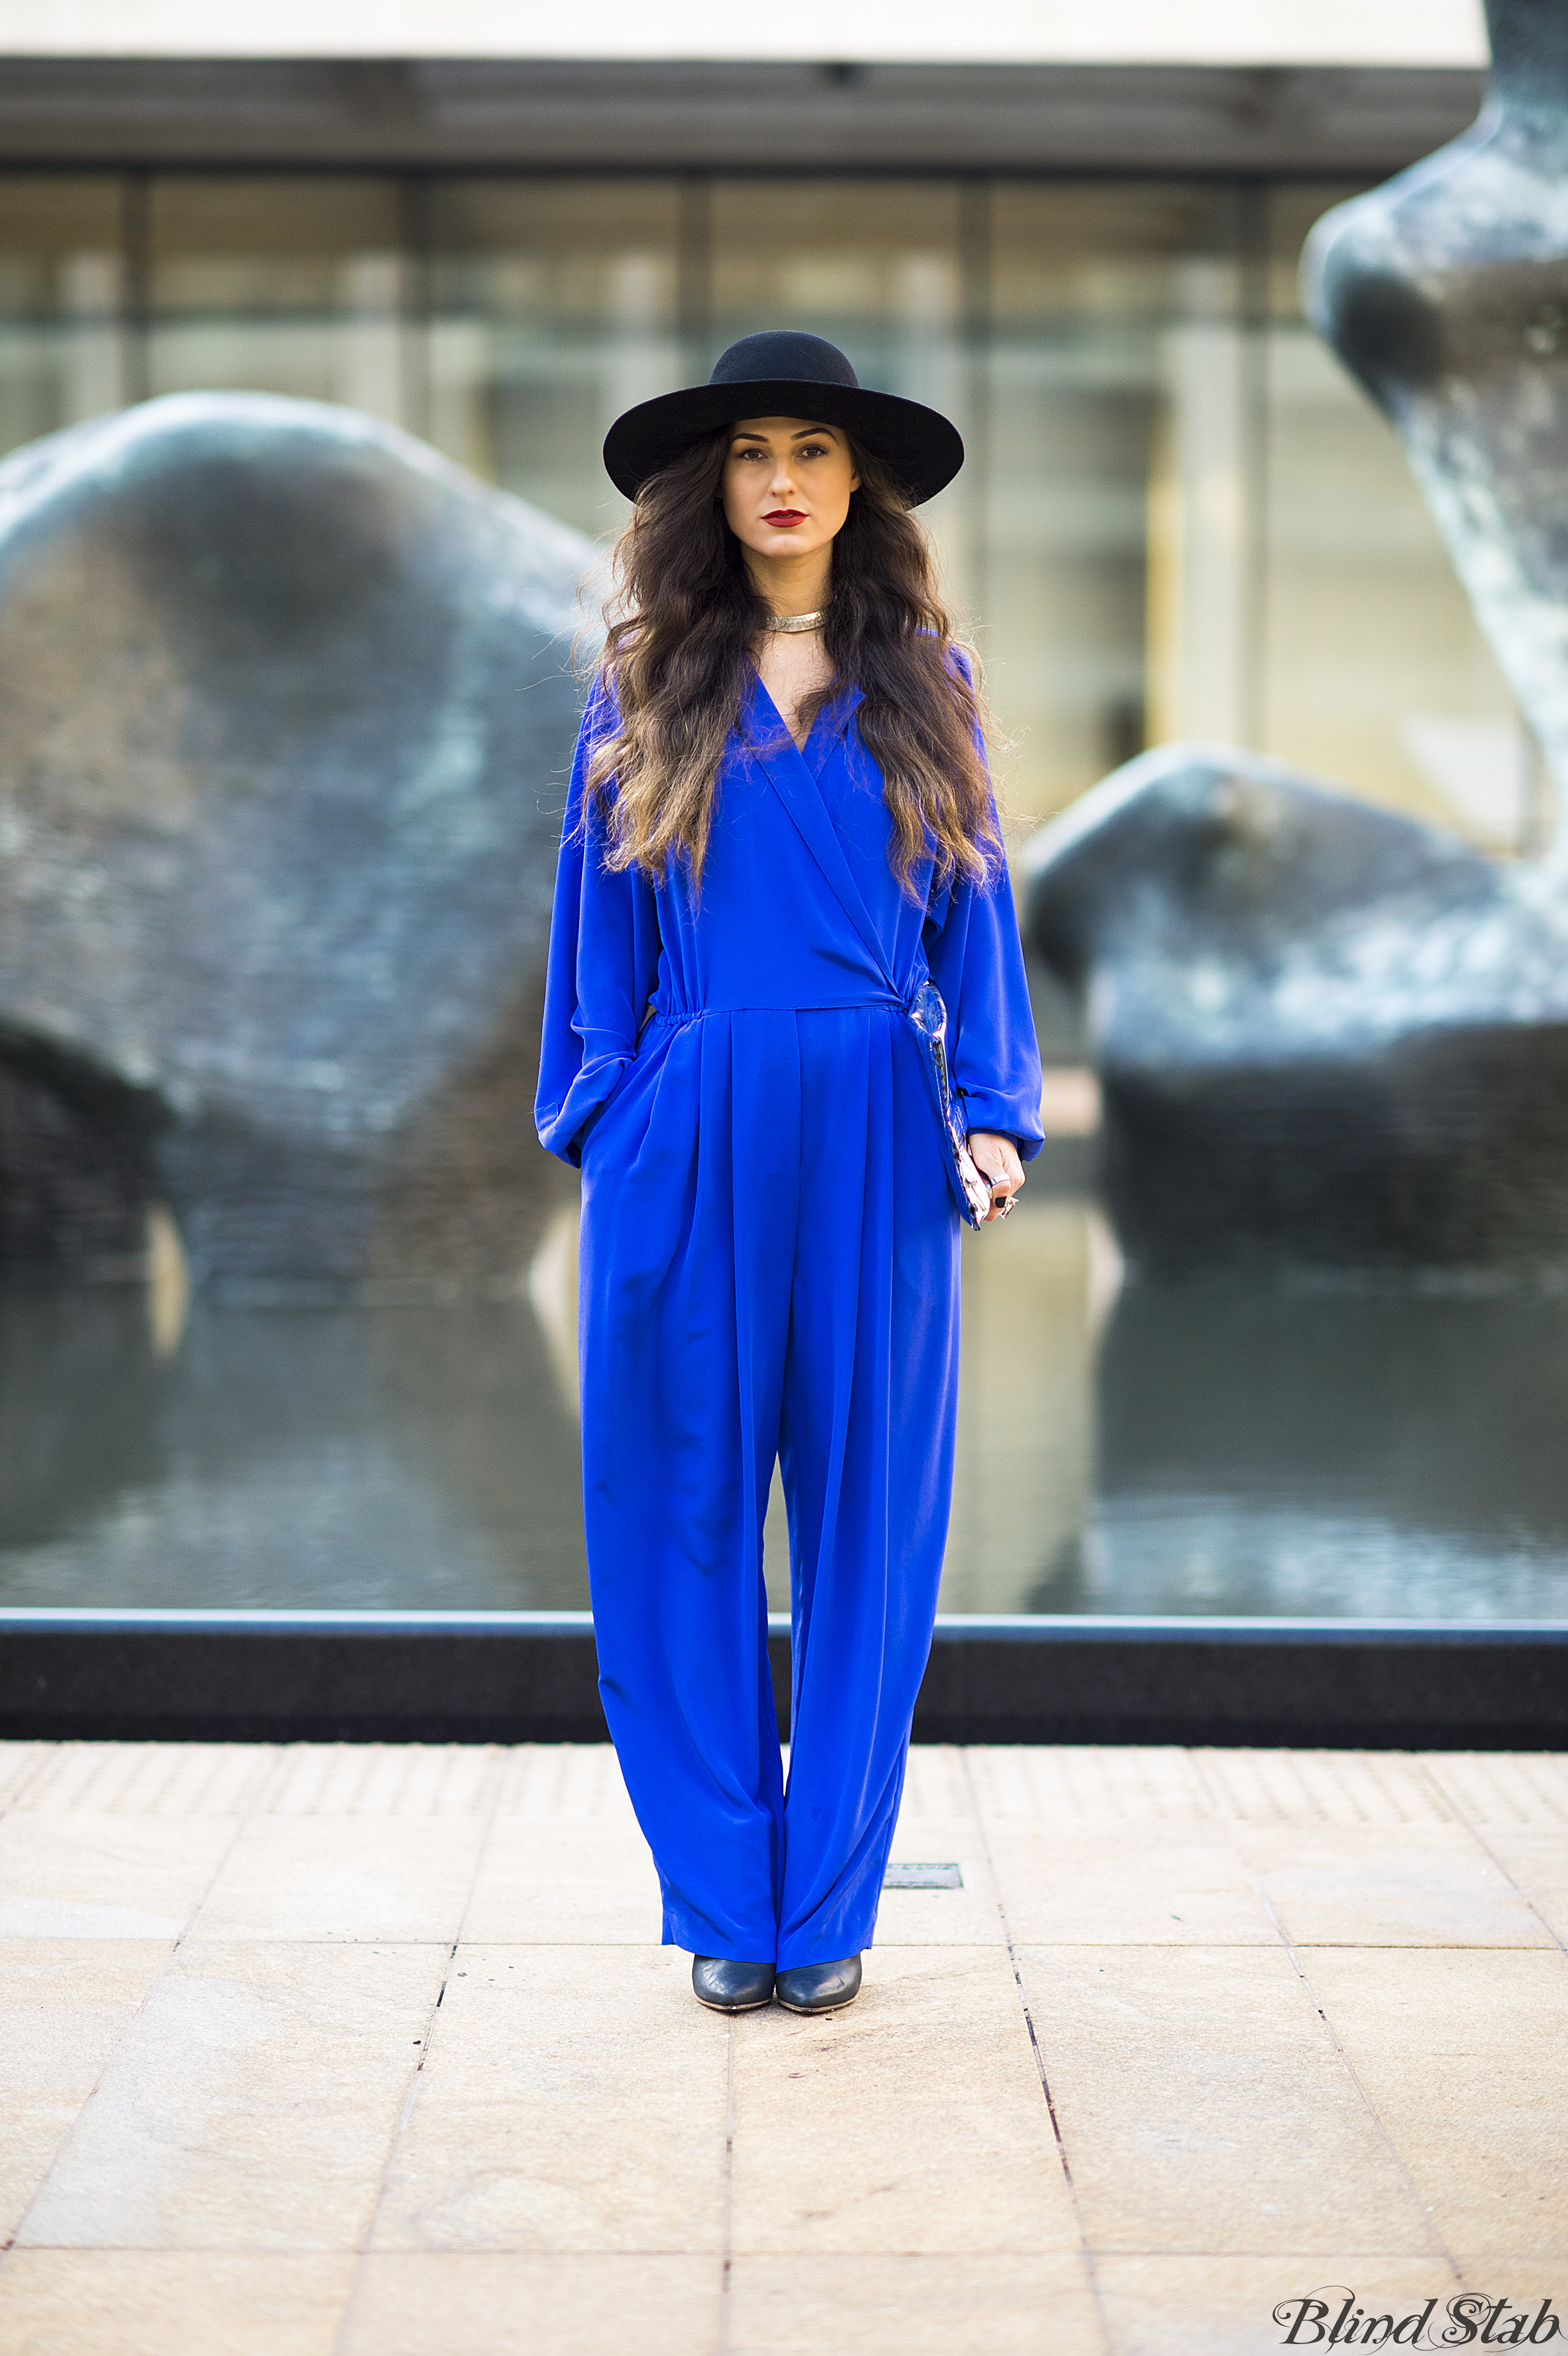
(793, 622)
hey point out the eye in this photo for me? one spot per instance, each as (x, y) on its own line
(814, 450)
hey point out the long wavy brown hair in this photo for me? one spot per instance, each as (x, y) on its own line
(681, 622)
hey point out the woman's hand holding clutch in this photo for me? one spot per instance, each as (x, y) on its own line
(997, 1159)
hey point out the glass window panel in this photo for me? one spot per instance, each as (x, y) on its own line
(1077, 252)
(286, 286)
(1180, 517)
(245, 244)
(555, 305)
(873, 266)
(1097, 292)
(1375, 675)
(48, 225)
(62, 350)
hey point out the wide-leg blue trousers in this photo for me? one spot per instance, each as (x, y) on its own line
(769, 1269)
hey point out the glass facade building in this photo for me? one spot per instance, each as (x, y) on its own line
(1180, 518)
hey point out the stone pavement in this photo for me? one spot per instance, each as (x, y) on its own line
(318, 2052)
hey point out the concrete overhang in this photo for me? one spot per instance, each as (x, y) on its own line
(836, 113)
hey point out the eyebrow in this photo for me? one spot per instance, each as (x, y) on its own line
(744, 434)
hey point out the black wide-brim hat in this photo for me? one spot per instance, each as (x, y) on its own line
(783, 374)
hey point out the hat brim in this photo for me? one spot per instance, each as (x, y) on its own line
(923, 449)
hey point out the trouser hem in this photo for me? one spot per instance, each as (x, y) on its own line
(704, 1939)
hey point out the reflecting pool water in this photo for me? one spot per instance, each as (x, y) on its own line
(1233, 1450)
(1120, 1450)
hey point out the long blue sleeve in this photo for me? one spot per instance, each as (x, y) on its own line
(603, 964)
(976, 962)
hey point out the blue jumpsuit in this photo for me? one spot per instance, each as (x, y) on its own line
(770, 1268)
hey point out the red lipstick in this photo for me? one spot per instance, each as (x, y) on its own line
(785, 518)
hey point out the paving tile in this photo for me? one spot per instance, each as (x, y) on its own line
(569, 1782)
(64, 2005)
(1320, 1787)
(1204, 2107)
(911, 2121)
(557, 2178)
(97, 1876)
(1466, 2057)
(1536, 1861)
(966, 1917)
(1381, 1886)
(483, 2302)
(543, 1880)
(1503, 1787)
(148, 1779)
(1204, 2306)
(392, 1780)
(948, 2306)
(573, 2099)
(937, 1785)
(250, 2105)
(1145, 1883)
(343, 1877)
(170, 2303)
(1064, 1784)
(19, 1764)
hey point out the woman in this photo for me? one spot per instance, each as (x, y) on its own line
(779, 835)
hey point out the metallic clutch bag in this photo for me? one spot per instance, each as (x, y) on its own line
(928, 1014)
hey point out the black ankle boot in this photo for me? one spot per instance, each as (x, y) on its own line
(819, 1987)
(729, 1986)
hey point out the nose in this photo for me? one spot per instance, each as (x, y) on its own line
(783, 482)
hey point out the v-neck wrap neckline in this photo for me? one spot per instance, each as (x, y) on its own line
(794, 777)
(829, 726)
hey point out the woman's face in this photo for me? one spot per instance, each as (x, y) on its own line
(788, 486)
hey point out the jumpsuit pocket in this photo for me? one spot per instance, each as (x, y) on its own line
(637, 1082)
(590, 1125)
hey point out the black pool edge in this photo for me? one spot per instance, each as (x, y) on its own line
(281, 1677)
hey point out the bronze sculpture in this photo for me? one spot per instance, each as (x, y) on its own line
(285, 710)
(1330, 1037)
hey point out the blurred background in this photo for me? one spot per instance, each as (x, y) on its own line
(1076, 231)
(1180, 518)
